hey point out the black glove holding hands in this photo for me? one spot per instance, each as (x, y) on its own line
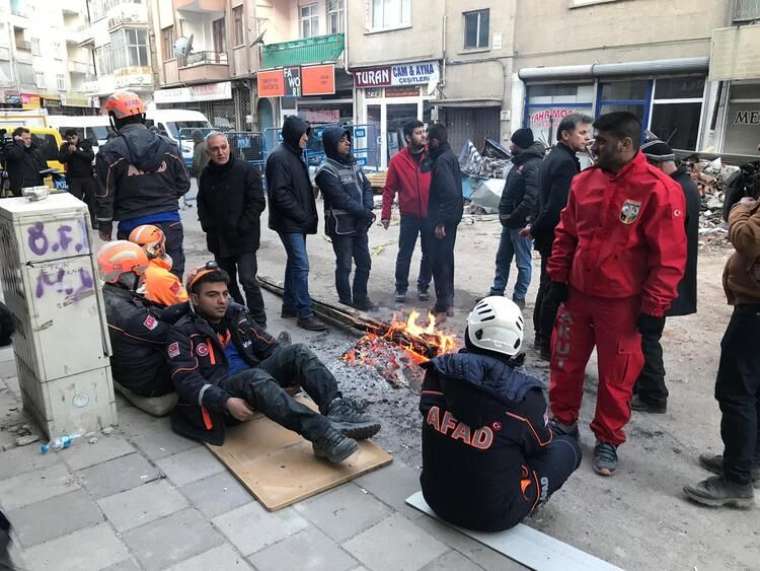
(557, 292)
(649, 324)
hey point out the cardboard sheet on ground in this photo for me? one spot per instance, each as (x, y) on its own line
(278, 466)
(528, 546)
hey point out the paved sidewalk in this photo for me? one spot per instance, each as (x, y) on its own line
(145, 498)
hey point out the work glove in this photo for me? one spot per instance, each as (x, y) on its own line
(650, 324)
(557, 292)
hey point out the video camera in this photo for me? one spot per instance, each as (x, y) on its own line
(744, 183)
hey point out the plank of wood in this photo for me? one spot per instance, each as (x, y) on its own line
(279, 467)
(527, 546)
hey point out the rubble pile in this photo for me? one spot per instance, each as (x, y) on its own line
(492, 162)
(712, 179)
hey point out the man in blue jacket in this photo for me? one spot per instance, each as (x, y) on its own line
(348, 216)
(489, 456)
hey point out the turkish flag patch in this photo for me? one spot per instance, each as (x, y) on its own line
(202, 350)
(150, 323)
(173, 350)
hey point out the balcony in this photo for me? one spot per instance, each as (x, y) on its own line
(319, 49)
(127, 14)
(199, 5)
(80, 67)
(71, 7)
(746, 11)
(203, 66)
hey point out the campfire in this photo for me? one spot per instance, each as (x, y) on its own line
(394, 348)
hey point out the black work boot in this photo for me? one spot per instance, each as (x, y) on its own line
(716, 491)
(311, 323)
(364, 305)
(346, 417)
(714, 464)
(287, 313)
(333, 446)
(642, 405)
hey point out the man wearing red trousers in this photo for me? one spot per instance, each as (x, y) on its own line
(618, 255)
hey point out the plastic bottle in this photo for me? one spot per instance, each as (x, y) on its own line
(59, 443)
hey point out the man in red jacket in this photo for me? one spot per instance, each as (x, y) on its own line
(618, 255)
(409, 176)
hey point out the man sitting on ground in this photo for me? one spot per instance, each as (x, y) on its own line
(488, 454)
(138, 336)
(224, 366)
(161, 286)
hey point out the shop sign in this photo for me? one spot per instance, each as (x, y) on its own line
(401, 74)
(292, 77)
(747, 118)
(550, 117)
(270, 83)
(318, 80)
(373, 92)
(29, 101)
(205, 92)
(402, 91)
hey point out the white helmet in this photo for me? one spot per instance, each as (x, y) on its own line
(496, 324)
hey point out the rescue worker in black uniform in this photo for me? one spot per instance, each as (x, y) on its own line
(489, 454)
(224, 366)
(7, 328)
(138, 334)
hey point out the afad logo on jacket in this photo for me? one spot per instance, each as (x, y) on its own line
(482, 438)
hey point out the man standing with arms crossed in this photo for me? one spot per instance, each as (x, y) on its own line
(409, 177)
(618, 256)
(557, 171)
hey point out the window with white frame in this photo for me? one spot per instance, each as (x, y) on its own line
(129, 48)
(388, 14)
(39, 79)
(476, 29)
(36, 47)
(60, 81)
(676, 110)
(237, 26)
(309, 20)
(334, 16)
(103, 60)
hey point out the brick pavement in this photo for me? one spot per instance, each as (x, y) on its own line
(143, 498)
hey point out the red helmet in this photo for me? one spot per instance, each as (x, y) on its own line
(120, 257)
(123, 104)
(151, 238)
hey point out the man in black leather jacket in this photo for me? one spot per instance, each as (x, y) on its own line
(224, 366)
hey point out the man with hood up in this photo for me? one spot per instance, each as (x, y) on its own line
(489, 456)
(293, 215)
(348, 216)
(517, 208)
(140, 178)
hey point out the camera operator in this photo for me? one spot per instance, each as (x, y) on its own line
(78, 156)
(23, 161)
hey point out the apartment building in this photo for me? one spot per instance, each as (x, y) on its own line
(40, 66)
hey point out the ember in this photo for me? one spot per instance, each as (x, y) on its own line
(392, 348)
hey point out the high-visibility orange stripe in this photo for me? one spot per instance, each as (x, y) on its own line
(533, 430)
(207, 422)
(211, 353)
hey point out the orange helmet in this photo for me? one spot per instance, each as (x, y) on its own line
(123, 104)
(151, 238)
(120, 257)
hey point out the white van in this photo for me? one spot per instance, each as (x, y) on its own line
(93, 128)
(169, 122)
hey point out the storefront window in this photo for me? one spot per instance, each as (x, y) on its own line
(743, 120)
(397, 116)
(676, 110)
(549, 104)
(630, 95)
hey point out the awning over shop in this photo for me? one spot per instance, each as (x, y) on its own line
(651, 67)
(454, 103)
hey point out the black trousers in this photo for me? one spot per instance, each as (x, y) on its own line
(544, 313)
(84, 189)
(174, 236)
(350, 250)
(442, 262)
(650, 386)
(289, 366)
(5, 540)
(410, 228)
(245, 267)
(737, 390)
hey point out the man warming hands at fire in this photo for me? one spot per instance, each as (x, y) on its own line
(488, 454)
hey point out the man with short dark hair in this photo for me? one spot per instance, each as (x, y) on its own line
(230, 203)
(23, 161)
(651, 393)
(77, 156)
(224, 366)
(141, 177)
(409, 176)
(557, 171)
(619, 253)
(445, 208)
(293, 215)
(517, 208)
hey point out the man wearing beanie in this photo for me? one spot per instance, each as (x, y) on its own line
(517, 208)
(651, 393)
